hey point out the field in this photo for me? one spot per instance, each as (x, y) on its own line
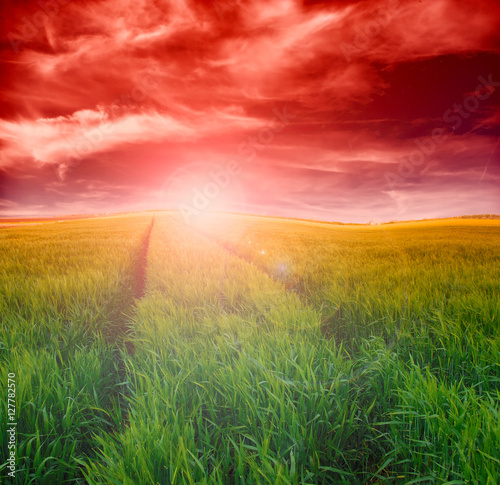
(251, 350)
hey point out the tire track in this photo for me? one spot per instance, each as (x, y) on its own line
(329, 322)
(359, 376)
(288, 284)
(140, 273)
(121, 328)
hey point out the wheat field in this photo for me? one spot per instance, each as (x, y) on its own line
(251, 350)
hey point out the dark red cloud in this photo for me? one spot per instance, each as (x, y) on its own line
(327, 109)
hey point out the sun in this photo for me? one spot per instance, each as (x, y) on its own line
(202, 193)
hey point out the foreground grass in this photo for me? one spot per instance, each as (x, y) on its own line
(62, 294)
(271, 352)
(430, 290)
(231, 381)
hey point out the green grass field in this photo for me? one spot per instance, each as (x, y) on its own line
(252, 351)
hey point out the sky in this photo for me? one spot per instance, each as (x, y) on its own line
(350, 111)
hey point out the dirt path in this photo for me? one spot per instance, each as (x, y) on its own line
(122, 326)
(140, 274)
(231, 249)
(329, 322)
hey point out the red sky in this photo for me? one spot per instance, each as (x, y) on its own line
(334, 110)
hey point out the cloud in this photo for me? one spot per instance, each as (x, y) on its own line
(63, 140)
(123, 93)
(396, 31)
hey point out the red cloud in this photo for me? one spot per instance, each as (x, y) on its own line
(91, 84)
